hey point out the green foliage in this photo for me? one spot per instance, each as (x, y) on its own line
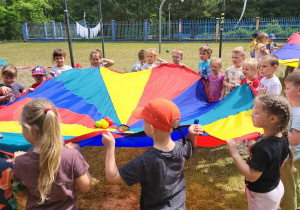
(13, 12)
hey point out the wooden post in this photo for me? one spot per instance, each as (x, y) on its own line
(257, 23)
(217, 29)
(179, 29)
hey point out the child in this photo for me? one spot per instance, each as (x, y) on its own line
(271, 46)
(250, 72)
(9, 76)
(138, 65)
(39, 75)
(151, 57)
(253, 45)
(204, 53)
(59, 56)
(291, 179)
(160, 169)
(215, 80)
(49, 172)
(177, 56)
(270, 84)
(264, 189)
(234, 74)
(7, 200)
(97, 60)
(261, 49)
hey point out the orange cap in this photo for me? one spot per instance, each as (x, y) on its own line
(160, 113)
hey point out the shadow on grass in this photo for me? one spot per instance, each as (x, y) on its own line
(213, 181)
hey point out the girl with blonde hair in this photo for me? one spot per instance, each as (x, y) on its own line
(49, 172)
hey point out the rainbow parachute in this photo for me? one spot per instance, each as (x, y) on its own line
(289, 54)
(85, 96)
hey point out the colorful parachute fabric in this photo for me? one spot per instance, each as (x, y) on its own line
(85, 96)
(289, 54)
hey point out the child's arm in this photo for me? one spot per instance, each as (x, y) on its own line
(227, 84)
(261, 91)
(84, 182)
(161, 60)
(111, 169)
(194, 131)
(250, 174)
(108, 62)
(294, 137)
(223, 92)
(265, 51)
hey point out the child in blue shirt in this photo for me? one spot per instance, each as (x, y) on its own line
(204, 53)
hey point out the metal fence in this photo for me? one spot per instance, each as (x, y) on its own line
(179, 30)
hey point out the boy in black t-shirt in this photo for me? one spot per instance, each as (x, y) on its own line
(160, 169)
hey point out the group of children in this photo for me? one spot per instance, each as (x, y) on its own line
(12, 89)
(262, 44)
(54, 171)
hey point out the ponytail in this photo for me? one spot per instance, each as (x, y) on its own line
(41, 115)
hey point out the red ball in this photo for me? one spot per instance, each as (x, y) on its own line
(107, 118)
(110, 121)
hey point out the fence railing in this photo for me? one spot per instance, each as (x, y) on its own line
(178, 30)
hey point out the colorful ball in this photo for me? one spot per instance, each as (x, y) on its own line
(110, 122)
(104, 123)
(97, 124)
(167, 50)
(107, 118)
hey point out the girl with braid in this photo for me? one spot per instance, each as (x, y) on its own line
(264, 188)
(50, 172)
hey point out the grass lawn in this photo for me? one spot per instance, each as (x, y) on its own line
(212, 180)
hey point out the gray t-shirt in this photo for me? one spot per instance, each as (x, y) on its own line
(137, 66)
(16, 89)
(160, 175)
(63, 193)
(296, 125)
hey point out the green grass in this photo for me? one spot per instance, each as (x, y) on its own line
(124, 54)
(212, 179)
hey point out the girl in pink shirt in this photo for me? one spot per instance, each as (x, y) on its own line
(261, 49)
(215, 80)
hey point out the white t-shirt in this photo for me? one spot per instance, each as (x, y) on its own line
(57, 70)
(234, 75)
(272, 85)
(148, 66)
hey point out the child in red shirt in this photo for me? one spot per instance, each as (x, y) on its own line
(39, 75)
(250, 72)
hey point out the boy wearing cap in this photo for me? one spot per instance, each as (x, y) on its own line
(39, 75)
(160, 169)
(271, 46)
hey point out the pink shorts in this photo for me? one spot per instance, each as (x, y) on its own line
(267, 201)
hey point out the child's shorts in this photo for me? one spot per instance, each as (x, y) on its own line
(268, 201)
